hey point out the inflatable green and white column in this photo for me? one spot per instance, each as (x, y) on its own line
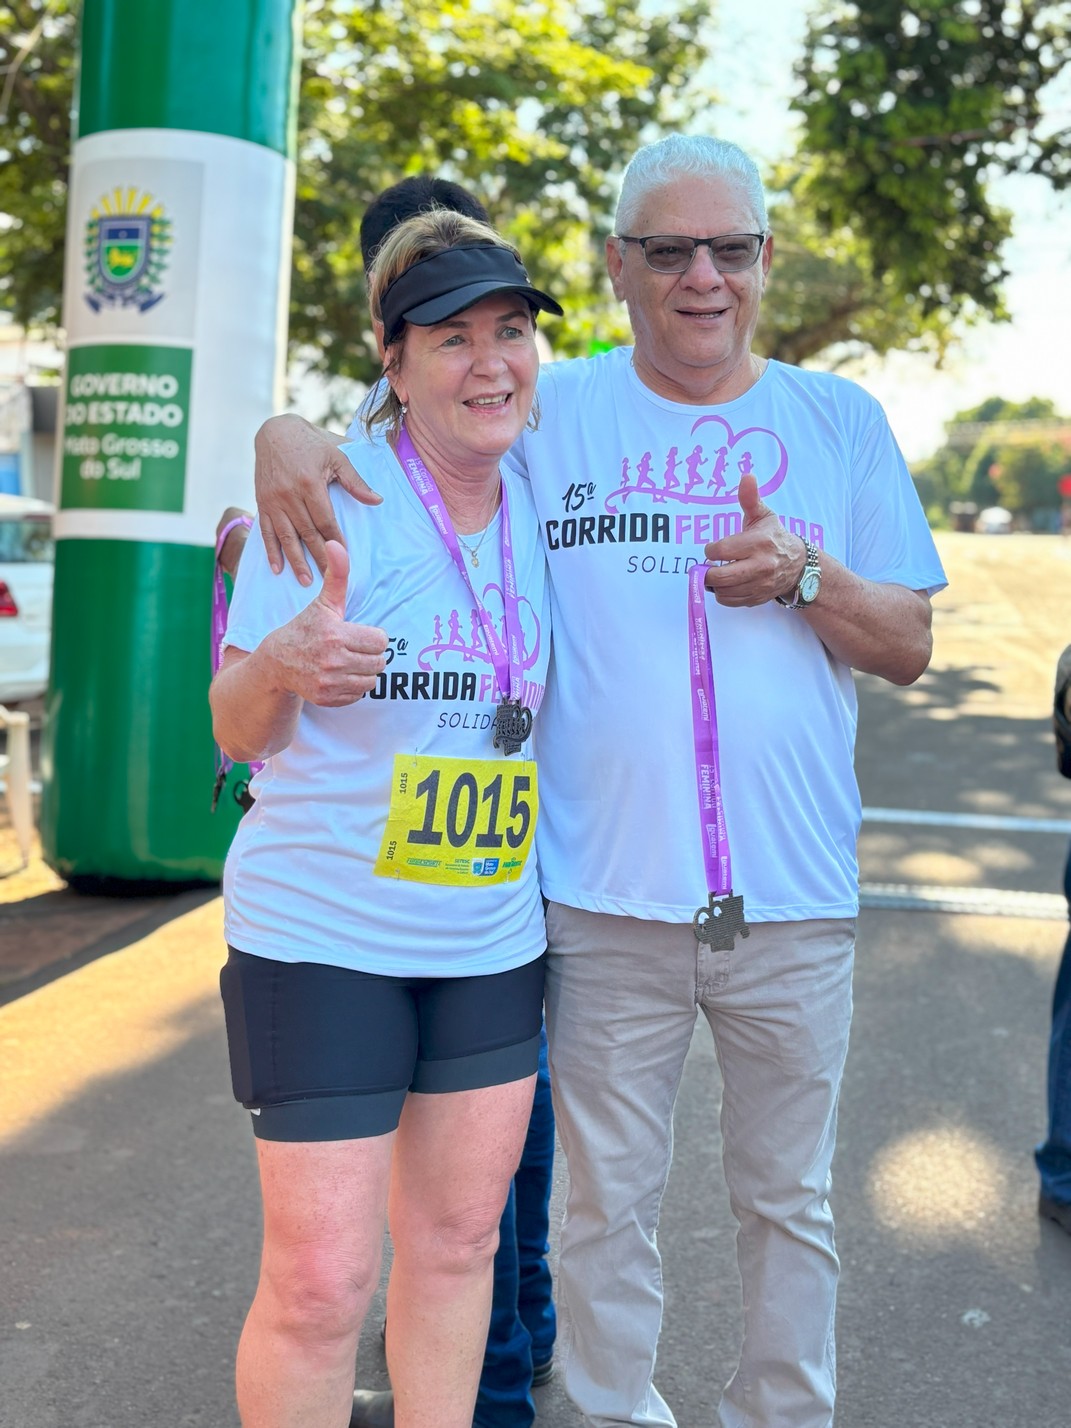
(175, 306)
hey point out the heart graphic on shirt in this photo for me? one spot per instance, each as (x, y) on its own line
(709, 474)
(754, 451)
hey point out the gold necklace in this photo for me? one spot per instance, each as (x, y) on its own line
(473, 550)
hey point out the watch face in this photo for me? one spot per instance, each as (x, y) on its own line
(810, 583)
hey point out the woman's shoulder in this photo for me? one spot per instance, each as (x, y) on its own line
(373, 452)
(376, 464)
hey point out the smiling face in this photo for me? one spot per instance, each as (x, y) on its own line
(693, 330)
(468, 383)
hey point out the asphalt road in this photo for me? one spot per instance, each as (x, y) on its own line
(127, 1191)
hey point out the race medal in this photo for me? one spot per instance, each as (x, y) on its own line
(458, 822)
(513, 724)
(718, 923)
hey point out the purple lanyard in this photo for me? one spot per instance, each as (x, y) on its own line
(507, 658)
(219, 592)
(219, 629)
(723, 916)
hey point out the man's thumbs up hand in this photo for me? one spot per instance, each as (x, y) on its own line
(753, 507)
(759, 561)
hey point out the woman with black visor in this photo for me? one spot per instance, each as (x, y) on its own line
(383, 992)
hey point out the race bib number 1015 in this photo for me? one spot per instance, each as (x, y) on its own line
(458, 822)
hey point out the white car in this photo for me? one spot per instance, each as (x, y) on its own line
(26, 565)
(994, 520)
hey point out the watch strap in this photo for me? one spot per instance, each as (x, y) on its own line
(811, 563)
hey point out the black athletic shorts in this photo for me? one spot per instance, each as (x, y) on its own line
(323, 1053)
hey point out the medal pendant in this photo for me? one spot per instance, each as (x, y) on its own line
(513, 724)
(718, 923)
(474, 558)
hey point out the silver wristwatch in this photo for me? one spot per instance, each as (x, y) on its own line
(810, 582)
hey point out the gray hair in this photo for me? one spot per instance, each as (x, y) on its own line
(688, 156)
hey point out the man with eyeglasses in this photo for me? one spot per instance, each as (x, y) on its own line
(699, 804)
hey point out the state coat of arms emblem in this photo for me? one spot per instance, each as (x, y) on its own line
(127, 246)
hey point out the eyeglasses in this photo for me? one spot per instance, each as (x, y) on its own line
(673, 252)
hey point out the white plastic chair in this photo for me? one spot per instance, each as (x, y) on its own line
(15, 777)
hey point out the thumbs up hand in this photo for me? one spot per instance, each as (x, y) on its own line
(332, 596)
(318, 655)
(762, 560)
(754, 508)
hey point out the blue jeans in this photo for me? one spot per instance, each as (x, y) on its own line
(523, 1321)
(1054, 1157)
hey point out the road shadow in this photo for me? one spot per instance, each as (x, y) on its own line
(953, 1299)
(50, 934)
(930, 747)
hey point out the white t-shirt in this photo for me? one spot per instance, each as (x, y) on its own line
(629, 487)
(299, 882)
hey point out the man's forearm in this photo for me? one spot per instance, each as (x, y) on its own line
(875, 628)
(298, 431)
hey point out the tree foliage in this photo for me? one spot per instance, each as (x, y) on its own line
(909, 110)
(887, 236)
(1026, 475)
(535, 106)
(999, 453)
(825, 295)
(37, 67)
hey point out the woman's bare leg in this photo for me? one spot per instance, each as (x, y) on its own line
(454, 1158)
(324, 1211)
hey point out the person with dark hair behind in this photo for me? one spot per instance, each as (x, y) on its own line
(410, 196)
(1053, 1156)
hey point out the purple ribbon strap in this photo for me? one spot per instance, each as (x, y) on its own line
(219, 629)
(506, 658)
(723, 916)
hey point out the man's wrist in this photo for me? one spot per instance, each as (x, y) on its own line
(805, 591)
(788, 595)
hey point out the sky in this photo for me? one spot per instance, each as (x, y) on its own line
(1026, 357)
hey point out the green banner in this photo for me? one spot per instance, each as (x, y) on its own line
(135, 759)
(179, 205)
(126, 425)
(192, 64)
